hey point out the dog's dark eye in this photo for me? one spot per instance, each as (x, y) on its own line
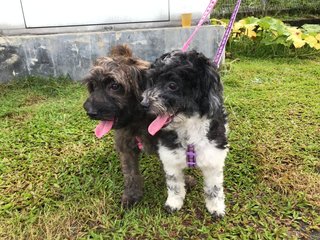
(114, 86)
(172, 86)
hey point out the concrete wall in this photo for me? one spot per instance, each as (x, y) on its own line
(73, 54)
(59, 16)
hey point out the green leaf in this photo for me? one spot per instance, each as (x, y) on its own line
(251, 20)
(311, 28)
(283, 41)
(264, 23)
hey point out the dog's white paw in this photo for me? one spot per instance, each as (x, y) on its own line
(216, 207)
(173, 204)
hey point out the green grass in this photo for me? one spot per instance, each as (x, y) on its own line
(57, 181)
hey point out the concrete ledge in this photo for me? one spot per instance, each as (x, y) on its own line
(73, 54)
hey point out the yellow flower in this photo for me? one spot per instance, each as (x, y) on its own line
(248, 28)
(297, 41)
(238, 25)
(313, 41)
(296, 37)
(317, 46)
(250, 33)
(295, 31)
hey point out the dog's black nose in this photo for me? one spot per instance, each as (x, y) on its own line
(145, 104)
(92, 114)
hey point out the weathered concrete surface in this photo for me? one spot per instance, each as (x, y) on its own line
(73, 54)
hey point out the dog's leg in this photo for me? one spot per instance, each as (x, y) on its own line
(212, 163)
(173, 164)
(133, 181)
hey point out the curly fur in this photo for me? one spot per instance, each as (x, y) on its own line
(115, 84)
(130, 75)
(187, 87)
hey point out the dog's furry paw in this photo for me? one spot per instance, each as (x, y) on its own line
(128, 201)
(216, 207)
(217, 216)
(173, 204)
(169, 209)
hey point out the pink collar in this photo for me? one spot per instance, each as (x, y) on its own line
(139, 143)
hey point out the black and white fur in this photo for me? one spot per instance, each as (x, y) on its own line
(187, 86)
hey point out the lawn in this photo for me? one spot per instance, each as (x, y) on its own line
(57, 181)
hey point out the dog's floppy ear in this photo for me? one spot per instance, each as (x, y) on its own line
(210, 84)
(137, 70)
(87, 80)
(215, 89)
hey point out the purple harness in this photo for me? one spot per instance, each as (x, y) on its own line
(190, 153)
(191, 156)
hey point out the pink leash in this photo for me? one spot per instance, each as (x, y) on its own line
(202, 19)
(190, 153)
(226, 35)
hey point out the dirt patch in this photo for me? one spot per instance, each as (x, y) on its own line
(32, 100)
(16, 116)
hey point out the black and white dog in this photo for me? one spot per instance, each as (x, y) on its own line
(186, 95)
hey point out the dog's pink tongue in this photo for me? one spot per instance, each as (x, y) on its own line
(157, 124)
(103, 128)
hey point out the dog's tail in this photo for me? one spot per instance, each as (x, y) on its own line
(121, 50)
